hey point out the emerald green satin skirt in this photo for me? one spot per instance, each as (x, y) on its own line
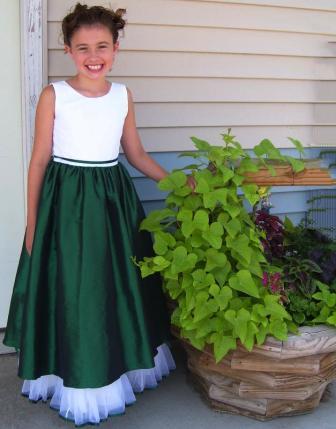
(80, 309)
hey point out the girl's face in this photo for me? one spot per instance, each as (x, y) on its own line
(93, 51)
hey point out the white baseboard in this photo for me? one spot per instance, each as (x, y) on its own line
(4, 349)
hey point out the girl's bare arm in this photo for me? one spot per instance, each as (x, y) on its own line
(44, 123)
(134, 151)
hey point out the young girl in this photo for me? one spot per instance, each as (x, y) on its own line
(90, 331)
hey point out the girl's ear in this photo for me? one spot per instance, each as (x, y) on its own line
(67, 49)
(116, 47)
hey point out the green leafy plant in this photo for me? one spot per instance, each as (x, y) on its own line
(303, 310)
(320, 307)
(305, 265)
(309, 243)
(327, 305)
(298, 275)
(209, 252)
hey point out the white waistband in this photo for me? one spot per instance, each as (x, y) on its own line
(85, 164)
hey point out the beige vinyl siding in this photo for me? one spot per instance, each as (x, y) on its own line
(324, 5)
(264, 68)
(207, 66)
(215, 40)
(215, 14)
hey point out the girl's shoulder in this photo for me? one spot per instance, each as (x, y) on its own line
(48, 91)
(47, 96)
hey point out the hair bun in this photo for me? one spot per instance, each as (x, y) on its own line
(118, 18)
(80, 8)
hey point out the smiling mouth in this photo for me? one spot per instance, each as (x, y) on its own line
(94, 67)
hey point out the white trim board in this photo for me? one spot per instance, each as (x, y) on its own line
(33, 18)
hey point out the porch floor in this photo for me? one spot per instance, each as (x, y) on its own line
(174, 405)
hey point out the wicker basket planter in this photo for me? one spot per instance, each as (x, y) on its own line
(279, 378)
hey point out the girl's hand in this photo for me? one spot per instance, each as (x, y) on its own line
(191, 182)
(30, 231)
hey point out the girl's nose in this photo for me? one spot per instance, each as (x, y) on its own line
(93, 53)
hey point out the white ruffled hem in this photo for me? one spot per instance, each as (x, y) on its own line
(91, 405)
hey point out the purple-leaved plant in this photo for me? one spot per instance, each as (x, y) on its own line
(273, 227)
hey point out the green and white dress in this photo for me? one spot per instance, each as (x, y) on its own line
(90, 331)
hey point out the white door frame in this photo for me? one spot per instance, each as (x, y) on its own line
(34, 75)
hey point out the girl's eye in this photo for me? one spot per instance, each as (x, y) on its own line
(102, 47)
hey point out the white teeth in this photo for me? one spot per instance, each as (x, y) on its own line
(95, 67)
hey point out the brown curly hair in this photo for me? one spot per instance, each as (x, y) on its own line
(83, 15)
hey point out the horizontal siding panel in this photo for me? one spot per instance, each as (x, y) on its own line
(190, 39)
(325, 136)
(289, 202)
(155, 89)
(149, 206)
(327, 5)
(175, 139)
(294, 217)
(215, 14)
(223, 114)
(147, 189)
(174, 64)
(325, 114)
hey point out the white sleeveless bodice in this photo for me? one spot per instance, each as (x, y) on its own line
(88, 128)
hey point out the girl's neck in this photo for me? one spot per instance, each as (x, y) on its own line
(88, 87)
